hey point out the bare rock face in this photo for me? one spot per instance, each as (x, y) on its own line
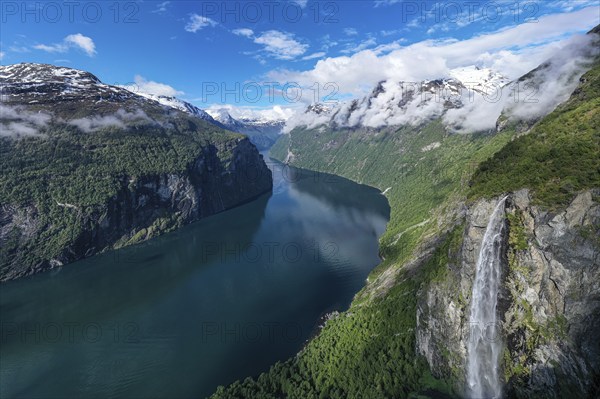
(552, 326)
(549, 303)
(443, 315)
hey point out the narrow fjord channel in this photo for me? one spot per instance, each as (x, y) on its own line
(211, 303)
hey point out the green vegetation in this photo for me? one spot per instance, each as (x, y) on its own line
(557, 159)
(369, 351)
(421, 181)
(517, 238)
(65, 178)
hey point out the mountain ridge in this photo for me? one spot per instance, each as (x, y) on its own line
(404, 334)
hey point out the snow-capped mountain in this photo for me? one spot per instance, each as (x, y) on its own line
(319, 108)
(479, 78)
(394, 103)
(176, 103)
(262, 131)
(29, 83)
(34, 93)
(222, 116)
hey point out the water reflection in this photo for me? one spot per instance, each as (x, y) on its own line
(213, 302)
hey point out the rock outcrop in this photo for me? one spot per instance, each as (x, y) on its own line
(549, 304)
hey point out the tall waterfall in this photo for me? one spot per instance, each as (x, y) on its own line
(485, 346)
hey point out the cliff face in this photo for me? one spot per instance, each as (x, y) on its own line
(548, 307)
(86, 167)
(221, 177)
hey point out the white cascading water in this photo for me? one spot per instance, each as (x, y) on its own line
(485, 346)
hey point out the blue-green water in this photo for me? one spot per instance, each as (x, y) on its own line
(216, 301)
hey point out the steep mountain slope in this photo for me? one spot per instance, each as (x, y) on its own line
(262, 132)
(405, 333)
(86, 167)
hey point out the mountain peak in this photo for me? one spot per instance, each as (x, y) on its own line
(38, 73)
(477, 78)
(222, 115)
(179, 104)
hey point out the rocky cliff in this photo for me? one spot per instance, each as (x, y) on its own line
(406, 333)
(86, 167)
(549, 305)
(142, 207)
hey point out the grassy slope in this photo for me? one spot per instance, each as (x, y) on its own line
(85, 169)
(558, 158)
(420, 181)
(369, 351)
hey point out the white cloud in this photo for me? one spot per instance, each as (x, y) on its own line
(530, 99)
(548, 87)
(569, 5)
(76, 40)
(19, 49)
(18, 122)
(355, 48)
(512, 52)
(198, 22)
(83, 42)
(301, 3)
(53, 48)
(390, 32)
(118, 120)
(327, 42)
(350, 32)
(151, 87)
(320, 54)
(243, 32)
(281, 45)
(2, 54)
(161, 7)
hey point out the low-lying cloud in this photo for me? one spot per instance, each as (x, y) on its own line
(463, 108)
(532, 98)
(17, 122)
(118, 120)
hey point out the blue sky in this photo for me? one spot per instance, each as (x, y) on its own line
(193, 48)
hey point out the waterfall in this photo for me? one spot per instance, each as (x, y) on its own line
(485, 346)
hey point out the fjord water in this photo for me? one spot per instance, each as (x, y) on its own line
(484, 346)
(216, 301)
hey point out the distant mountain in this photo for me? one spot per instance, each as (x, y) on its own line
(176, 103)
(536, 157)
(263, 132)
(397, 103)
(478, 78)
(87, 167)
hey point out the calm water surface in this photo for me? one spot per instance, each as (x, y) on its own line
(216, 301)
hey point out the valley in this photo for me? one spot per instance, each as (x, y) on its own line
(369, 200)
